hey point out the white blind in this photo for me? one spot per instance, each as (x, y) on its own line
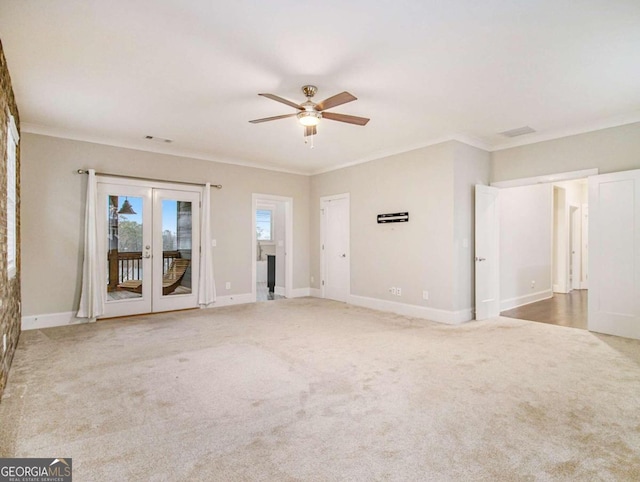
(12, 144)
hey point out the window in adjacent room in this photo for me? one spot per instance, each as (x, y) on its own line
(12, 144)
(264, 224)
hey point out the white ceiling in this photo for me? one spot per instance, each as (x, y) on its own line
(423, 71)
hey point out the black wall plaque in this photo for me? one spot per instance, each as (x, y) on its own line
(393, 218)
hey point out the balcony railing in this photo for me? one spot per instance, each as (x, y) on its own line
(128, 266)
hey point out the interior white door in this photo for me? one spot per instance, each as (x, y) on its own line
(336, 277)
(614, 254)
(125, 244)
(176, 249)
(487, 233)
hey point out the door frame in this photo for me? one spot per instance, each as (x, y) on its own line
(256, 199)
(575, 245)
(168, 186)
(584, 248)
(323, 260)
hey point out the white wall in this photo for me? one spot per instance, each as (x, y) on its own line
(434, 184)
(609, 150)
(53, 211)
(525, 244)
(471, 167)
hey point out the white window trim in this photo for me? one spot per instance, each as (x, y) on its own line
(13, 137)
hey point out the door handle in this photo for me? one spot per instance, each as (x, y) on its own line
(147, 255)
(480, 259)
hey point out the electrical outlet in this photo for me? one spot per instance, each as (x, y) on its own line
(312, 279)
(214, 243)
(399, 291)
(425, 295)
(533, 283)
(228, 285)
(392, 290)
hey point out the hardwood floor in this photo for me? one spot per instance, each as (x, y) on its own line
(563, 309)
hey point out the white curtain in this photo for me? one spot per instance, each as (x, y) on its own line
(91, 301)
(207, 286)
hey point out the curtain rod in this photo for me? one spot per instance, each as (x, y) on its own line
(84, 171)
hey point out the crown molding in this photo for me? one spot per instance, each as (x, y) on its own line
(142, 146)
(471, 141)
(535, 138)
(616, 121)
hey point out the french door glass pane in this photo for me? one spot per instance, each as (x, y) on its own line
(124, 247)
(176, 247)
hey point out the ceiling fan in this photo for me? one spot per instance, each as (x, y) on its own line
(310, 113)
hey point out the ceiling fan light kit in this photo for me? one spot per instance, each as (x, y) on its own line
(311, 113)
(309, 118)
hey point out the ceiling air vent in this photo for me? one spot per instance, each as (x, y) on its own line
(158, 139)
(520, 131)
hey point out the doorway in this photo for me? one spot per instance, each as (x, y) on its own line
(570, 236)
(335, 250)
(541, 250)
(150, 243)
(272, 263)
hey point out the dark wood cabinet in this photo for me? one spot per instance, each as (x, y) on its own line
(271, 272)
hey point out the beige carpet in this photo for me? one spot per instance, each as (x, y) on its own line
(310, 390)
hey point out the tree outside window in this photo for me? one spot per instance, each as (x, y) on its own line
(264, 225)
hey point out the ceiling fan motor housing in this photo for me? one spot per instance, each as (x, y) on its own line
(309, 90)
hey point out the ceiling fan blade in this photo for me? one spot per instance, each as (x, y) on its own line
(310, 131)
(349, 119)
(265, 119)
(337, 99)
(284, 101)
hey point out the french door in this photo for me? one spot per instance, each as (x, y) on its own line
(149, 241)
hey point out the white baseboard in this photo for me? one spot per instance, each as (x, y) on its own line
(279, 290)
(560, 289)
(36, 322)
(50, 320)
(433, 314)
(300, 292)
(525, 300)
(232, 300)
